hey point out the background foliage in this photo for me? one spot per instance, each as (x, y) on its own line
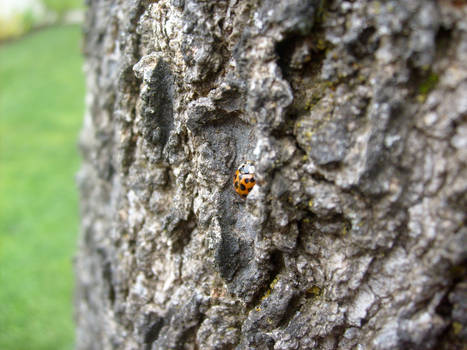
(51, 12)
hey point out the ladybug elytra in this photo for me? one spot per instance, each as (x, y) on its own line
(244, 179)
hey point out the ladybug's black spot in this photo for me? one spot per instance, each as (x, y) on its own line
(242, 187)
(243, 195)
(236, 184)
(250, 189)
(253, 180)
(247, 180)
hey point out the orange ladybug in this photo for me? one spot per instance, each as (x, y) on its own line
(244, 179)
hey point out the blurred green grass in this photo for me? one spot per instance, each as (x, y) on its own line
(41, 109)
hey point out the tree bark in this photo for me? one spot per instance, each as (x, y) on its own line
(354, 237)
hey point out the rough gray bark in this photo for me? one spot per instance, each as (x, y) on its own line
(355, 113)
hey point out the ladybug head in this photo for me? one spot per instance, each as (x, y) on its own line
(247, 168)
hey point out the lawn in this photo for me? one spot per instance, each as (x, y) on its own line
(41, 109)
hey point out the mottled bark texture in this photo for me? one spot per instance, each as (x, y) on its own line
(355, 113)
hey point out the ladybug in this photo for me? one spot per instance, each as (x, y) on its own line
(244, 179)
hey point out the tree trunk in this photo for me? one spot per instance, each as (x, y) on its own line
(354, 236)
